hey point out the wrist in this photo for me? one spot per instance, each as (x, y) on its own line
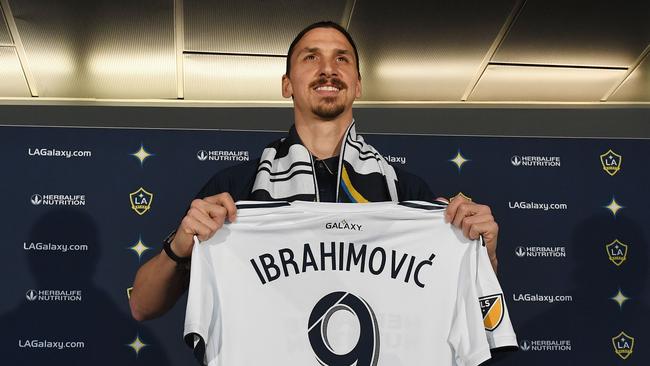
(181, 261)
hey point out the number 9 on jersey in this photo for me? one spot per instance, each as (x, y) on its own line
(366, 350)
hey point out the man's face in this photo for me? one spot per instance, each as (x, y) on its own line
(323, 79)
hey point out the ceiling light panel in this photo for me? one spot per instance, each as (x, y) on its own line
(579, 32)
(5, 38)
(257, 27)
(55, 39)
(556, 84)
(233, 78)
(636, 87)
(132, 54)
(108, 49)
(13, 80)
(426, 51)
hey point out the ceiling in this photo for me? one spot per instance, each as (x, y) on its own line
(410, 51)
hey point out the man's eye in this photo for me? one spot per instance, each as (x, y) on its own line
(310, 57)
(342, 59)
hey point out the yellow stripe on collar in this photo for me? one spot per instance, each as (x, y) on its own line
(350, 188)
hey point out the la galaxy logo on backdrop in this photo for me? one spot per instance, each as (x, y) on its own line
(623, 345)
(141, 201)
(616, 252)
(611, 162)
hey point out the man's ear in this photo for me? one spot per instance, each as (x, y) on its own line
(287, 90)
(357, 91)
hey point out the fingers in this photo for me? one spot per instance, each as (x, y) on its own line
(473, 219)
(454, 204)
(224, 200)
(194, 226)
(210, 217)
(203, 219)
(207, 215)
(452, 207)
(462, 208)
(475, 226)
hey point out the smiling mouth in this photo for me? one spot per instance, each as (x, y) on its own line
(327, 88)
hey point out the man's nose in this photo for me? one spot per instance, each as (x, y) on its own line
(328, 67)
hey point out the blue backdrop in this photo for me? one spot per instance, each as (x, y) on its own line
(573, 255)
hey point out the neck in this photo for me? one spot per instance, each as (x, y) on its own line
(322, 138)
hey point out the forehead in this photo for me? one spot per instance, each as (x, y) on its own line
(324, 38)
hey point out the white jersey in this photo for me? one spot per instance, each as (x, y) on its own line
(334, 284)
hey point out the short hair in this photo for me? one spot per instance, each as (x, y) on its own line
(323, 24)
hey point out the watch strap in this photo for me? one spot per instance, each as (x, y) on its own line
(167, 247)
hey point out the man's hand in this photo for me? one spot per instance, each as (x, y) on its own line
(158, 283)
(475, 220)
(203, 219)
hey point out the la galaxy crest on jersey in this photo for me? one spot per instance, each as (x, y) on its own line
(492, 309)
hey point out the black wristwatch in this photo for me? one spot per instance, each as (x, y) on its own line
(182, 262)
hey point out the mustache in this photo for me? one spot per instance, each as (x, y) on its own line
(336, 82)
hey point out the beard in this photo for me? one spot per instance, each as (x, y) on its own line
(328, 109)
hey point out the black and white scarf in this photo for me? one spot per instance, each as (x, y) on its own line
(286, 172)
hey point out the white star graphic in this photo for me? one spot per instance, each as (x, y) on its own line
(620, 299)
(614, 206)
(139, 248)
(459, 160)
(142, 154)
(137, 345)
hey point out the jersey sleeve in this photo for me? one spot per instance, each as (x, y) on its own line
(467, 335)
(496, 319)
(202, 316)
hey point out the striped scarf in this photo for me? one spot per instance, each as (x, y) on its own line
(286, 172)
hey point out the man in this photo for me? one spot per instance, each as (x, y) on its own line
(316, 161)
